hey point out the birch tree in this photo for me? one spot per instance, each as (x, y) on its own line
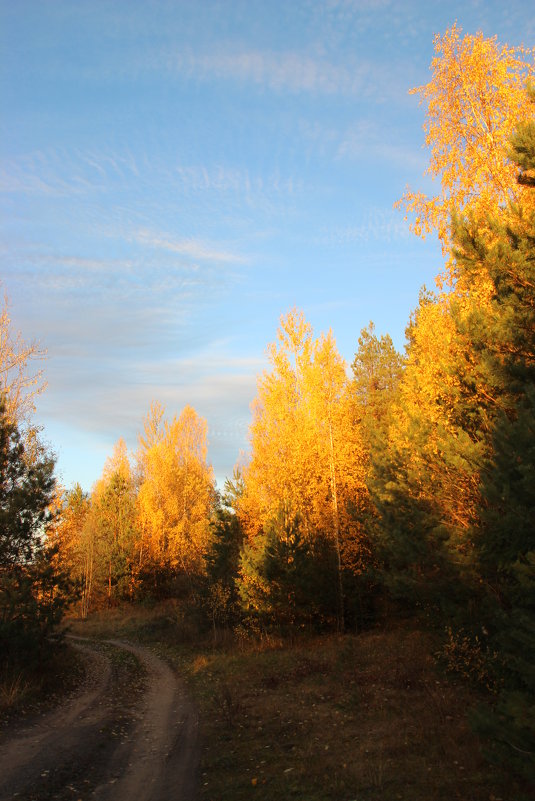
(307, 458)
(19, 383)
(176, 490)
(474, 102)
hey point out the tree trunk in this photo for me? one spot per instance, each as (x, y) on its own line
(336, 532)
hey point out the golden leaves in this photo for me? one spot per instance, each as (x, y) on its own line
(475, 99)
(176, 490)
(307, 456)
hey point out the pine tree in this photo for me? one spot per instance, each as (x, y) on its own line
(286, 578)
(222, 560)
(424, 472)
(33, 591)
(377, 369)
(504, 341)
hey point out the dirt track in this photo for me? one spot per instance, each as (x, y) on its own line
(130, 740)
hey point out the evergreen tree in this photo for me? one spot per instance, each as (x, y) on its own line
(424, 470)
(114, 514)
(377, 369)
(33, 592)
(221, 595)
(286, 578)
(504, 341)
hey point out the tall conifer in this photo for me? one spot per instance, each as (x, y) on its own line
(503, 340)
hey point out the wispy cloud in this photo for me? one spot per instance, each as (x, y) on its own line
(118, 401)
(279, 71)
(142, 184)
(193, 248)
(365, 139)
(99, 312)
(357, 6)
(376, 224)
(30, 180)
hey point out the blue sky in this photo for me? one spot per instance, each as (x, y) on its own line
(174, 176)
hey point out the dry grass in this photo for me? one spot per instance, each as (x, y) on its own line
(13, 689)
(367, 718)
(110, 622)
(33, 688)
(342, 718)
(165, 621)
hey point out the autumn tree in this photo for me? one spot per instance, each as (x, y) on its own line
(306, 455)
(475, 100)
(74, 538)
(425, 474)
(427, 478)
(454, 484)
(176, 492)
(19, 384)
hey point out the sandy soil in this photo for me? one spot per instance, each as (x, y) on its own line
(126, 740)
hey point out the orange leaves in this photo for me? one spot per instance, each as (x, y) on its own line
(307, 457)
(440, 412)
(475, 99)
(118, 464)
(176, 492)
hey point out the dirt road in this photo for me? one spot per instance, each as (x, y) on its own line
(129, 734)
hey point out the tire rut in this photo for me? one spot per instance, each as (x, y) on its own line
(163, 757)
(89, 748)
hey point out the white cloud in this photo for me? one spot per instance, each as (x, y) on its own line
(111, 403)
(194, 248)
(377, 224)
(365, 139)
(279, 71)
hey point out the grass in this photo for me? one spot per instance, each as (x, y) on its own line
(165, 621)
(336, 718)
(325, 718)
(13, 688)
(31, 688)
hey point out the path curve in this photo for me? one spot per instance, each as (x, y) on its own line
(164, 753)
(155, 759)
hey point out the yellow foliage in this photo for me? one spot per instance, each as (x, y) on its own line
(307, 457)
(427, 429)
(70, 514)
(475, 99)
(117, 464)
(176, 492)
